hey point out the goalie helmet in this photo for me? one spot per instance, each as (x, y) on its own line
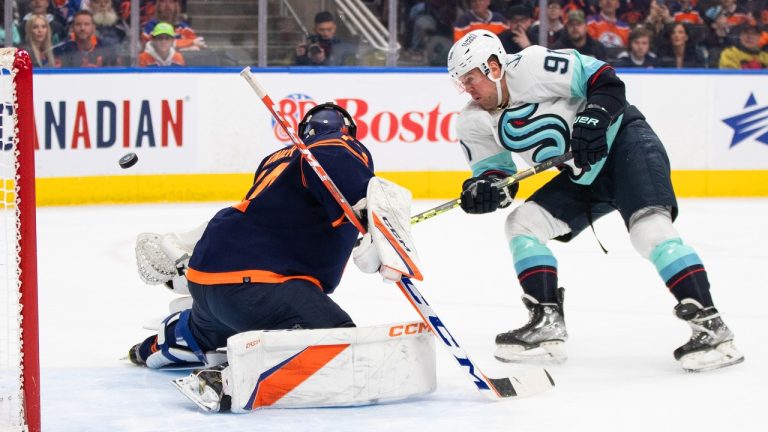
(473, 51)
(326, 118)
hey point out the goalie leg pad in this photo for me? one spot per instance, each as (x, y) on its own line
(328, 367)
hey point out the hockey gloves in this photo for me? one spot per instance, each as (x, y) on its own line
(479, 195)
(588, 142)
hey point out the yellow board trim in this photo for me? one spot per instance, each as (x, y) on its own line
(423, 185)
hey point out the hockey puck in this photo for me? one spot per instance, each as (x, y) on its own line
(128, 160)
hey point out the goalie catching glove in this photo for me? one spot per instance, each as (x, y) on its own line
(163, 258)
(480, 195)
(387, 248)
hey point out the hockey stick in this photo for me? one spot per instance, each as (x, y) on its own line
(530, 383)
(450, 205)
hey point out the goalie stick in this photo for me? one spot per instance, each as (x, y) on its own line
(450, 205)
(532, 382)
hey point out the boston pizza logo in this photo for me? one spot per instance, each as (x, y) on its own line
(405, 124)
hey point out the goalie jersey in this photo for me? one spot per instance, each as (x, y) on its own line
(288, 226)
(547, 89)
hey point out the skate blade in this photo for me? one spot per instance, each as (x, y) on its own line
(548, 352)
(723, 355)
(195, 390)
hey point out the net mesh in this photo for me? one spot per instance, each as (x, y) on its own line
(11, 381)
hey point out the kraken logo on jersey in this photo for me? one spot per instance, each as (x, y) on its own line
(546, 136)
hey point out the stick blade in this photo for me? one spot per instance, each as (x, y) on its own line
(528, 383)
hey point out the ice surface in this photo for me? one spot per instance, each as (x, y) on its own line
(620, 375)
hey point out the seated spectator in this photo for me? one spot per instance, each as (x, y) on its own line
(633, 12)
(684, 11)
(586, 6)
(159, 51)
(479, 17)
(323, 48)
(515, 39)
(576, 37)
(170, 11)
(57, 22)
(658, 18)
(146, 11)
(735, 14)
(67, 8)
(85, 49)
(555, 27)
(606, 28)
(639, 54)
(38, 41)
(110, 28)
(746, 54)
(677, 50)
(720, 37)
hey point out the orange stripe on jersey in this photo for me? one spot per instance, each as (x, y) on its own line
(242, 205)
(337, 142)
(290, 375)
(268, 179)
(243, 276)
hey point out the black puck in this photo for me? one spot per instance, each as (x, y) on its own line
(128, 160)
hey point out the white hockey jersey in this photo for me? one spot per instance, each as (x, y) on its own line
(547, 89)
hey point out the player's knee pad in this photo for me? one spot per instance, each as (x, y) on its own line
(174, 344)
(532, 220)
(649, 227)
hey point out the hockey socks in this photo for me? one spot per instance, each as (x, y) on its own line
(682, 271)
(536, 268)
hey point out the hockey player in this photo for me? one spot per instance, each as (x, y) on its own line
(539, 104)
(270, 261)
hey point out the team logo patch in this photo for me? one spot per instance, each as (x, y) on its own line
(520, 130)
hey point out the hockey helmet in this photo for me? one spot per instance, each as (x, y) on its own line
(473, 51)
(326, 118)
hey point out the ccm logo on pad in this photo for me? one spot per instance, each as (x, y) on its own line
(408, 329)
(586, 120)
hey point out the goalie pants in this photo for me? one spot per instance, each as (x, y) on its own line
(220, 311)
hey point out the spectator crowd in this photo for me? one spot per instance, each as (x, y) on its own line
(727, 34)
(94, 33)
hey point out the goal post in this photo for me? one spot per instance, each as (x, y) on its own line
(19, 351)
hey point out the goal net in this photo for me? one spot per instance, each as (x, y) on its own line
(19, 362)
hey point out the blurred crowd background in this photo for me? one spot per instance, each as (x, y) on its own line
(725, 34)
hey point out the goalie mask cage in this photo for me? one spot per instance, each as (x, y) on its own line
(19, 360)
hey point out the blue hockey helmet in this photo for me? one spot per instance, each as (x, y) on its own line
(326, 118)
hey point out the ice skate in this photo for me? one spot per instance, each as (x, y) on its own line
(711, 345)
(541, 339)
(205, 387)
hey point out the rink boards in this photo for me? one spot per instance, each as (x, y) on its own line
(200, 133)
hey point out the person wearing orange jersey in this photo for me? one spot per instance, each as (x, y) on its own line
(606, 28)
(479, 17)
(160, 51)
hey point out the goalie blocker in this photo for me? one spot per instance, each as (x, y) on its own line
(317, 368)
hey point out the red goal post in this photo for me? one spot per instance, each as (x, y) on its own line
(19, 351)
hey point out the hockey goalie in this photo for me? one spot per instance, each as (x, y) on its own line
(258, 322)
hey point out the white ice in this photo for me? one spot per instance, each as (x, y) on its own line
(620, 375)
